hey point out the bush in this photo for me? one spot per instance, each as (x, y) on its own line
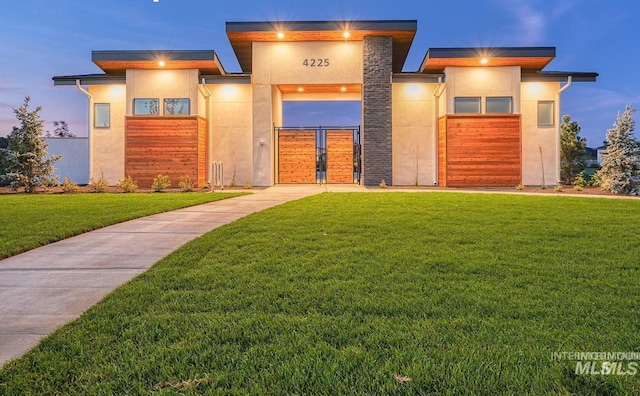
(68, 186)
(99, 186)
(578, 188)
(558, 188)
(247, 186)
(160, 182)
(580, 180)
(519, 187)
(128, 185)
(186, 185)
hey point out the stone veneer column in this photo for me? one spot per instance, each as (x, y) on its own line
(376, 110)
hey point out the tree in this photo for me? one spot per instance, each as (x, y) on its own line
(25, 159)
(3, 145)
(572, 150)
(620, 172)
(61, 131)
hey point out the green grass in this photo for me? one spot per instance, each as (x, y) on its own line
(348, 293)
(29, 221)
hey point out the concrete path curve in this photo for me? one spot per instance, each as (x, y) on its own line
(47, 287)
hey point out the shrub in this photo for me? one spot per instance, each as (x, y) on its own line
(520, 187)
(247, 186)
(580, 180)
(558, 188)
(383, 184)
(160, 182)
(68, 186)
(99, 186)
(578, 188)
(595, 180)
(186, 185)
(128, 185)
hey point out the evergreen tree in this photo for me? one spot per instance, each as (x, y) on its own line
(25, 159)
(572, 150)
(620, 170)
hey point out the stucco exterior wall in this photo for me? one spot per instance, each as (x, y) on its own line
(283, 62)
(483, 82)
(413, 133)
(231, 139)
(107, 144)
(162, 84)
(535, 138)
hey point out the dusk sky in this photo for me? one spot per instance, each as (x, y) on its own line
(44, 38)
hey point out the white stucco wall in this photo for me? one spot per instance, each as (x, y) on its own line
(161, 84)
(231, 131)
(107, 144)
(413, 133)
(483, 82)
(535, 138)
(74, 163)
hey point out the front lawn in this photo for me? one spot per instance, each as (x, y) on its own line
(29, 221)
(361, 293)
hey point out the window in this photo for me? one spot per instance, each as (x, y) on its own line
(176, 106)
(466, 105)
(499, 105)
(545, 113)
(102, 116)
(146, 106)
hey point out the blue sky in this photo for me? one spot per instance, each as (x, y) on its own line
(43, 38)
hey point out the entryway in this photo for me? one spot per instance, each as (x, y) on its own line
(318, 155)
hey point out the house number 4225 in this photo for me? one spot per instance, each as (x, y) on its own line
(316, 62)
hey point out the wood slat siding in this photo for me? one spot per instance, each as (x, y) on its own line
(171, 145)
(442, 151)
(297, 156)
(480, 150)
(340, 156)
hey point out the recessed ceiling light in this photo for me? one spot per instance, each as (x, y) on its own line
(346, 34)
(161, 63)
(280, 35)
(484, 61)
(300, 89)
(343, 89)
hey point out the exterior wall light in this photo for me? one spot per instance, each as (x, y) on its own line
(280, 35)
(300, 89)
(343, 89)
(161, 63)
(484, 61)
(346, 34)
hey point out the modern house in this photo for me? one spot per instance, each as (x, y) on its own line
(466, 117)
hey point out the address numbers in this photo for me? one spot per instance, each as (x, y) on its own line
(316, 62)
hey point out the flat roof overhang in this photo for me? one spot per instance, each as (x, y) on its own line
(117, 62)
(243, 34)
(528, 58)
(89, 79)
(559, 76)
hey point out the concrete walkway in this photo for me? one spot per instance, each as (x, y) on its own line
(47, 287)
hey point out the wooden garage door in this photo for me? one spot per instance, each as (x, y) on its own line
(340, 156)
(297, 156)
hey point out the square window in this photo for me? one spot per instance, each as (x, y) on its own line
(146, 106)
(102, 115)
(545, 113)
(466, 105)
(173, 106)
(500, 105)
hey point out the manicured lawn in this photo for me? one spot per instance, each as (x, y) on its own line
(399, 293)
(29, 221)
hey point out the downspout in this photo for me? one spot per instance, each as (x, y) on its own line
(561, 90)
(436, 99)
(89, 97)
(207, 94)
